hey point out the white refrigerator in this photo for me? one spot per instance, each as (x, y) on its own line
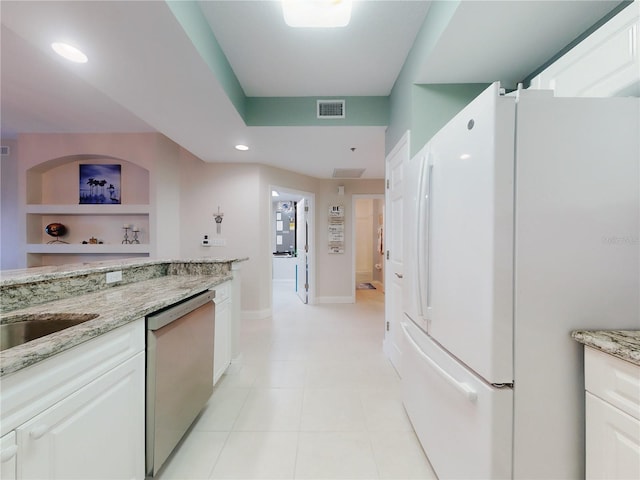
(522, 224)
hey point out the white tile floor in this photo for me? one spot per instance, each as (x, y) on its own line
(315, 399)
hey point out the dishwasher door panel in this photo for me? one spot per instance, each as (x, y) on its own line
(179, 380)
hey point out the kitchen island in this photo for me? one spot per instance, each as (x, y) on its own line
(146, 286)
(72, 402)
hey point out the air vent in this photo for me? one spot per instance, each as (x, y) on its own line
(4, 150)
(331, 109)
(348, 172)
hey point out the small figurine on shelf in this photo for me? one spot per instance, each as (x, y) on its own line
(56, 230)
(92, 241)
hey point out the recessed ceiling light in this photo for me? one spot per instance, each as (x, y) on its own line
(242, 148)
(69, 52)
(317, 13)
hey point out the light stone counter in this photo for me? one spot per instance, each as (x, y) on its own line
(147, 286)
(624, 344)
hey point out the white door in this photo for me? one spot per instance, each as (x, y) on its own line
(470, 240)
(97, 432)
(613, 441)
(394, 266)
(302, 241)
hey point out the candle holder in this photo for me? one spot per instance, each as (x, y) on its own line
(135, 235)
(126, 235)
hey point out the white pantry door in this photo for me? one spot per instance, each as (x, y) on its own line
(394, 267)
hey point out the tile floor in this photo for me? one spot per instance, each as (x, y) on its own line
(315, 399)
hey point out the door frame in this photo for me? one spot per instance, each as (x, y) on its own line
(355, 197)
(296, 195)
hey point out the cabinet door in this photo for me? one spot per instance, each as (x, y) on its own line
(222, 346)
(8, 451)
(613, 441)
(97, 432)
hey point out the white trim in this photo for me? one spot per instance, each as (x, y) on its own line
(256, 314)
(351, 299)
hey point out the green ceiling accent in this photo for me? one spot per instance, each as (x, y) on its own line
(195, 25)
(402, 104)
(301, 111)
(436, 104)
(269, 111)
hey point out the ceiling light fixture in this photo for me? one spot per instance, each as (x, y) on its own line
(274, 193)
(242, 148)
(69, 52)
(317, 13)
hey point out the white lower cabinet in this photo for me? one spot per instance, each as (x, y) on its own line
(222, 344)
(612, 417)
(8, 455)
(87, 435)
(79, 414)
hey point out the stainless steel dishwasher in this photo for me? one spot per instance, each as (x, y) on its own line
(179, 373)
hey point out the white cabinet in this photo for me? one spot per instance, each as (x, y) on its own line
(78, 414)
(8, 455)
(222, 345)
(612, 417)
(87, 435)
(605, 64)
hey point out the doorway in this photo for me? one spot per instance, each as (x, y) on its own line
(368, 245)
(292, 249)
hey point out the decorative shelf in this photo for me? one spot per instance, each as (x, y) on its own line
(80, 248)
(88, 209)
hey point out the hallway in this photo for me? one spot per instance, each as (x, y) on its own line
(315, 399)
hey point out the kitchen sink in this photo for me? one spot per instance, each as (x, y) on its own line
(31, 327)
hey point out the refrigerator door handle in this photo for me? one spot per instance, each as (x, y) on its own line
(422, 244)
(429, 197)
(462, 387)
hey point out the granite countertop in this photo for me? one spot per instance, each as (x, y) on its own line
(40, 274)
(624, 344)
(115, 305)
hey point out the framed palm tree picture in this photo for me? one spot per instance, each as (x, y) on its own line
(100, 184)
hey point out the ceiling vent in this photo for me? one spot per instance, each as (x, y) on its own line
(348, 172)
(331, 109)
(4, 150)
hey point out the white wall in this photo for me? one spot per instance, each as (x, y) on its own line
(204, 187)
(184, 194)
(243, 193)
(152, 151)
(334, 278)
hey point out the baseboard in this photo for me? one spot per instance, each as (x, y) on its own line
(349, 299)
(236, 365)
(255, 314)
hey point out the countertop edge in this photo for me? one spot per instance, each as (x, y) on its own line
(623, 344)
(41, 274)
